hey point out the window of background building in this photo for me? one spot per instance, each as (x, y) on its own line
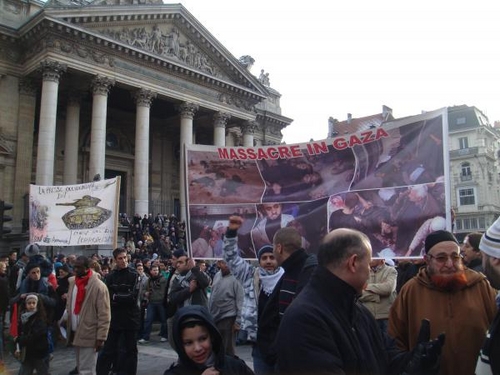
(466, 196)
(465, 173)
(463, 142)
(460, 120)
(482, 223)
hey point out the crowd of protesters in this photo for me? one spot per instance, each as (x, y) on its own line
(152, 278)
(161, 234)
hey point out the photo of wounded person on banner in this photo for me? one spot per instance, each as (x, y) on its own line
(288, 180)
(395, 220)
(211, 180)
(272, 216)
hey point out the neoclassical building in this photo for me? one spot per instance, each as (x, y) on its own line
(116, 87)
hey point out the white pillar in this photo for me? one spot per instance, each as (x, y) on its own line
(71, 139)
(100, 90)
(51, 71)
(143, 99)
(187, 111)
(220, 121)
(248, 128)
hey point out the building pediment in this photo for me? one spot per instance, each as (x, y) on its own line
(161, 32)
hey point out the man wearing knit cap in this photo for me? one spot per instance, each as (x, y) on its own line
(489, 359)
(258, 284)
(458, 302)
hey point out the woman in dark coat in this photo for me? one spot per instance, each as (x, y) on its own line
(199, 346)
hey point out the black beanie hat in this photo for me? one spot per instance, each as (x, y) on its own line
(437, 237)
(264, 249)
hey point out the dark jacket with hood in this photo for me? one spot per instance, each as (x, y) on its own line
(225, 364)
(298, 269)
(33, 336)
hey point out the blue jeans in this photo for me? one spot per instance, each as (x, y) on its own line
(155, 311)
(260, 367)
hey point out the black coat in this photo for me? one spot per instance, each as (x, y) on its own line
(327, 331)
(123, 286)
(298, 269)
(226, 365)
(33, 337)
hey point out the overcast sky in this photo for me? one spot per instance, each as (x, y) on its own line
(330, 58)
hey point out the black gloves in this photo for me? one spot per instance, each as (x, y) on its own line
(427, 354)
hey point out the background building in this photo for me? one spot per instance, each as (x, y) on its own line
(474, 167)
(116, 87)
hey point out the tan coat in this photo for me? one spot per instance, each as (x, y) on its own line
(464, 316)
(380, 292)
(95, 314)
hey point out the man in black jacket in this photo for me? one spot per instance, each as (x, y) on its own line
(189, 286)
(120, 348)
(298, 266)
(327, 331)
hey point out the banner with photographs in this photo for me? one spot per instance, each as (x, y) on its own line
(70, 215)
(389, 181)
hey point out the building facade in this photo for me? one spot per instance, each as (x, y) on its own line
(116, 88)
(474, 169)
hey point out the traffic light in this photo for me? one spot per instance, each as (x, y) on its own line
(4, 206)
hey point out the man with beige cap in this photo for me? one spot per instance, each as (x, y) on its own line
(489, 359)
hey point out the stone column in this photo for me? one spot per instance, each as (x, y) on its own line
(248, 128)
(71, 138)
(187, 111)
(143, 99)
(51, 72)
(220, 121)
(229, 139)
(100, 90)
(24, 154)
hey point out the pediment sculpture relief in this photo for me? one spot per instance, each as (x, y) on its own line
(169, 44)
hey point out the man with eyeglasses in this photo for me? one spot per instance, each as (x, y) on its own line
(458, 302)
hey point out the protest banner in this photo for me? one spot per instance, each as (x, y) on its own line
(389, 181)
(70, 215)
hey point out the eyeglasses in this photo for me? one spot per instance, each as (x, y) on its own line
(443, 258)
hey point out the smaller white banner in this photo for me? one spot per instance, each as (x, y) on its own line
(73, 215)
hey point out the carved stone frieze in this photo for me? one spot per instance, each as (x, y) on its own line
(10, 53)
(14, 7)
(187, 109)
(126, 2)
(6, 145)
(52, 70)
(101, 85)
(85, 52)
(250, 127)
(168, 43)
(220, 119)
(273, 130)
(237, 102)
(144, 98)
(27, 87)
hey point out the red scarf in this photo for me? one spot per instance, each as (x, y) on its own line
(81, 283)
